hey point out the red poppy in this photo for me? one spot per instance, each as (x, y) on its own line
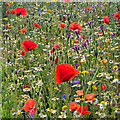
(54, 47)
(22, 53)
(7, 11)
(79, 61)
(90, 96)
(84, 110)
(36, 25)
(74, 26)
(29, 106)
(76, 41)
(56, 60)
(62, 25)
(73, 106)
(7, 25)
(21, 11)
(89, 7)
(117, 15)
(72, 37)
(28, 45)
(65, 72)
(33, 110)
(27, 85)
(103, 86)
(79, 92)
(7, 4)
(12, 11)
(118, 22)
(82, 35)
(63, 17)
(23, 30)
(106, 19)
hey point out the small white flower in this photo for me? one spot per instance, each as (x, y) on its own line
(26, 89)
(54, 99)
(115, 81)
(108, 76)
(76, 85)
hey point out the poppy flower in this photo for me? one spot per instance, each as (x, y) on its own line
(65, 72)
(28, 45)
(76, 41)
(63, 17)
(74, 26)
(103, 86)
(89, 7)
(106, 19)
(23, 30)
(117, 15)
(62, 25)
(29, 106)
(22, 53)
(73, 106)
(82, 35)
(12, 11)
(90, 96)
(56, 60)
(7, 11)
(36, 25)
(84, 110)
(21, 11)
(27, 85)
(7, 25)
(54, 47)
(79, 92)
(7, 4)
(118, 22)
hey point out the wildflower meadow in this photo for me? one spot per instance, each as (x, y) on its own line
(60, 60)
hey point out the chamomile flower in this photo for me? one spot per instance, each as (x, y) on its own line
(39, 83)
(115, 81)
(117, 110)
(55, 98)
(76, 85)
(108, 76)
(26, 89)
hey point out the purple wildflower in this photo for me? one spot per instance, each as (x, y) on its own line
(87, 40)
(76, 65)
(68, 35)
(84, 43)
(113, 34)
(76, 82)
(101, 28)
(75, 31)
(79, 38)
(89, 22)
(31, 114)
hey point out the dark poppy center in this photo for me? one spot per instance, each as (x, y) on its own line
(27, 48)
(18, 14)
(75, 28)
(31, 107)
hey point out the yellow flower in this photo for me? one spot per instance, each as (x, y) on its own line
(84, 71)
(94, 87)
(64, 107)
(115, 67)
